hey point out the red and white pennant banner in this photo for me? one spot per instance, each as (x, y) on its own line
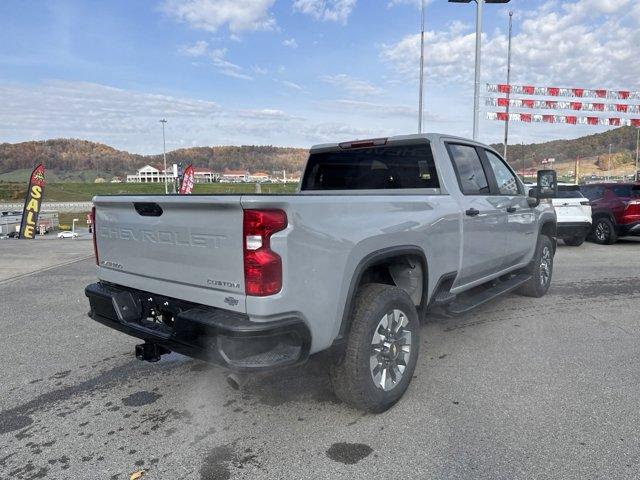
(562, 105)
(567, 119)
(563, 92)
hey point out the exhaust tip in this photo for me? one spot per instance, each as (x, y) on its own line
(234, 381)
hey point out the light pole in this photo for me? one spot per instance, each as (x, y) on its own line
(73, 225)
(609, 163)
(637, 153)
(420, 100)
(164, 155)
(506, 123)
(476, 92)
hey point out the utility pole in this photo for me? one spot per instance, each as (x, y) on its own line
(476, 91)
(421, 94)
(164, 155)
(609, 163)
(637, 153)
(506, 123)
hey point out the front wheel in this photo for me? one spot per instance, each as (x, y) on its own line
(382, 349)
(604, 232)
(540, 269)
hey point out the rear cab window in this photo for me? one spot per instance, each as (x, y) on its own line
(387, 167)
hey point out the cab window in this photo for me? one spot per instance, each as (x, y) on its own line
(506, 180)
(471, 174)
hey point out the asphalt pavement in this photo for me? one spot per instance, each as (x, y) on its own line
(521, 388)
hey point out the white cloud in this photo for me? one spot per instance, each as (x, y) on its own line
(217, 58)
(326, 10)
(128, 119)
(290, 42)
(383, 110)
(415, 3)
(587, 43)
(292, 85)
(259, 70)
(352, 85)
(211, 15)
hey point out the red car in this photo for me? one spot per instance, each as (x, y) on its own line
(615, 209)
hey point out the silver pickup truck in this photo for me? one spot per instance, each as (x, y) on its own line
(380, 232)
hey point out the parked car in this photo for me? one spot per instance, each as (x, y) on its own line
(380, 232)
(67, 235)
(615, 210)
(3, 236)
(574, 214)
(13, 234)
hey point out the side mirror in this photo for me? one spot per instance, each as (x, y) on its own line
(547, 184)
(533, 199)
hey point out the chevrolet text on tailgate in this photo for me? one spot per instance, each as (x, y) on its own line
(380, 233)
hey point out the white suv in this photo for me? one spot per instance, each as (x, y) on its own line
(574, 214)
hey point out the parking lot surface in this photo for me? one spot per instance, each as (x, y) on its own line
(521, 388)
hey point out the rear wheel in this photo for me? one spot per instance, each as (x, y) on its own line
(574, 241)
(540, 269)
(381, 352)
(604, 232)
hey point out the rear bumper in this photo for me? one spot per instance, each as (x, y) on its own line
(573, 229)
(218, 336)
(629, 229)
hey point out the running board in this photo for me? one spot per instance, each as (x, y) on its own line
(466, 302)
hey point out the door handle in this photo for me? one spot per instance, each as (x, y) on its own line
(511, 209)
(472, 212)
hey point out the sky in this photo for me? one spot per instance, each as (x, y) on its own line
(291, 72)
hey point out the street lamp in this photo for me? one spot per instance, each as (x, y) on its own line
(637, 153)
(164, 154)
(476, 92)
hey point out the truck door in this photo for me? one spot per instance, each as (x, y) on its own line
(521, 234)
(484, 216)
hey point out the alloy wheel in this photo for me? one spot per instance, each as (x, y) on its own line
(390, 350)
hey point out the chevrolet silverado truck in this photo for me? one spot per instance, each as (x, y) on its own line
(379, 233)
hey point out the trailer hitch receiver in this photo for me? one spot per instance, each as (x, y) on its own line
(150, 352)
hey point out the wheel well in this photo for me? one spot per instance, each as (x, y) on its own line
(600, 215)
(404, 267)
(406, 272)
(548, 229)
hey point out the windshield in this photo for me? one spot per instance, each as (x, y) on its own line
(569, 191)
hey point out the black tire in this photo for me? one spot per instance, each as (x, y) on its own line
(574, 241)
(541, 272)
(353, 378)
(604, 231)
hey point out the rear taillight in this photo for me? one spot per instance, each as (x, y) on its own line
(93, 230)
(262, 266)
(632, 208)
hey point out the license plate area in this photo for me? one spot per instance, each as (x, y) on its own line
(154, 313)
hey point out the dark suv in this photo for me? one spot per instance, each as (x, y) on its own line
(615, 209)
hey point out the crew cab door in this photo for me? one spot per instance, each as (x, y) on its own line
(484, 216)
(521, 233)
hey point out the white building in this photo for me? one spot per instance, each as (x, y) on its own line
(156, 174)
(235, 176)
(204, 175)
(150, 174)
(259, 177)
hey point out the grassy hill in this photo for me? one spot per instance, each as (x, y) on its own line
(82, 161)
(593, 151)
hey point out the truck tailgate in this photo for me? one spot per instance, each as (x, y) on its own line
(188, 247)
